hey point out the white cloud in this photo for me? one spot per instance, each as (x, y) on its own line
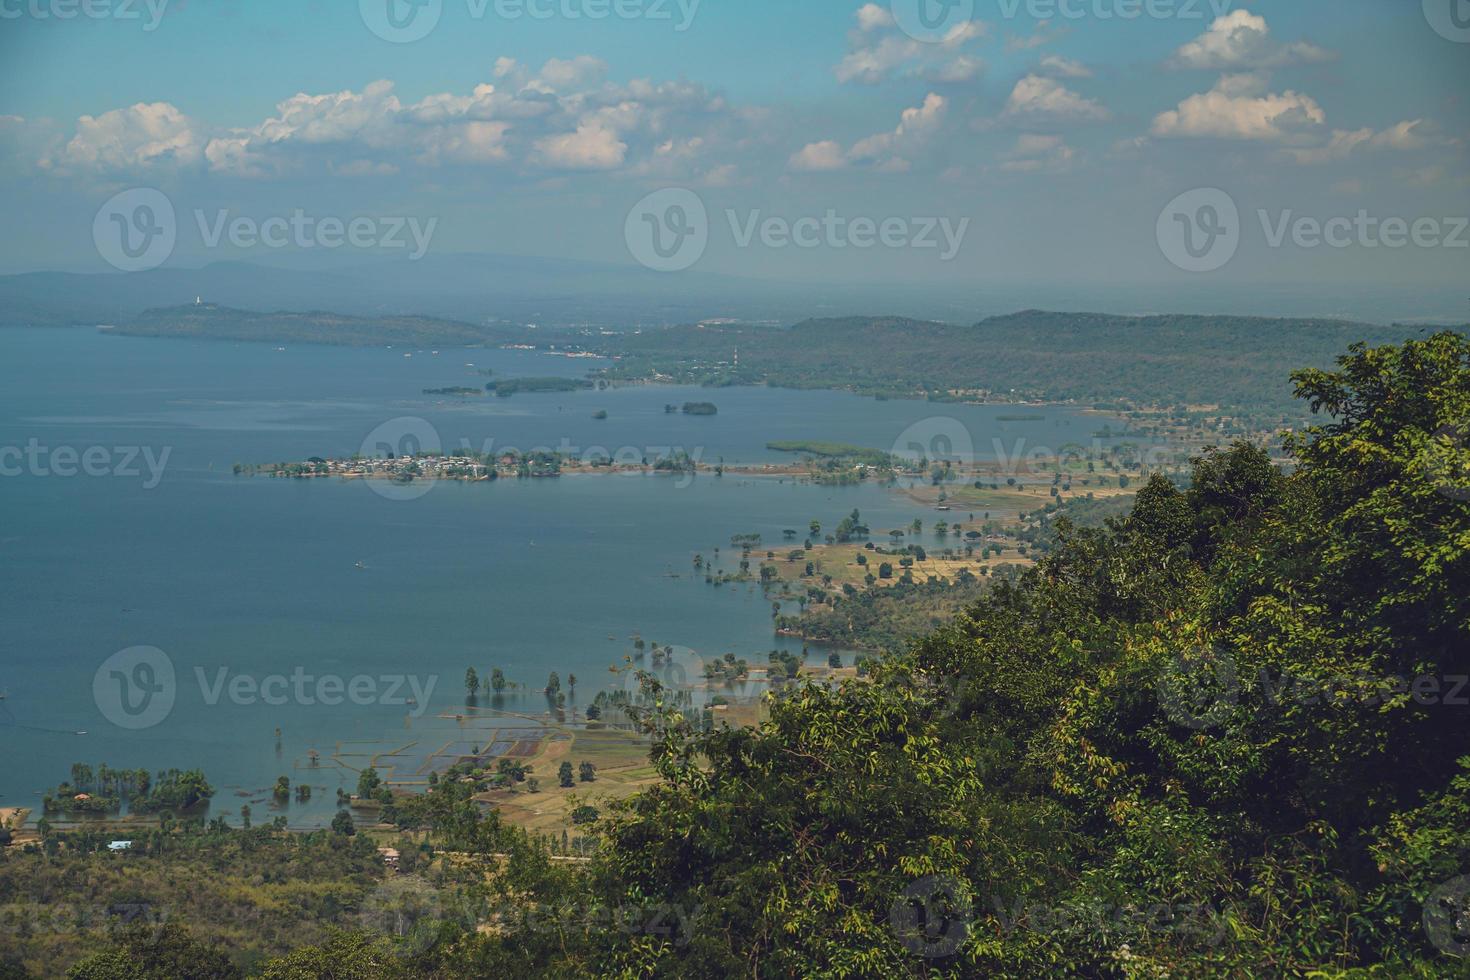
(144, 136)
(1038, 98)
(871, 17)
(1242, 40)
(817, 157)
(565, 115)
(877, 50)
(1239, 108)
(914, 126)
(1062, 67)
(591, 147)
(887, 152)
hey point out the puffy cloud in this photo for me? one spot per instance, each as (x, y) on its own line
(914, 126)
(144, 136)
(473, 142)
(1239, 108)
(591, 147)
(886, 151)
(871, 17)
(877, 49)
(815, 157)
(564, 115)
(1055, 64)
(1042, 99)
(1242, 40)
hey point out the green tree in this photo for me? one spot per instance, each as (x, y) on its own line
(342, 824)
(344, 956)
(564, 774)
(166, 952)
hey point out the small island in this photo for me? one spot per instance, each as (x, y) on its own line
(693, 408)
(516, 386)
(457, 391)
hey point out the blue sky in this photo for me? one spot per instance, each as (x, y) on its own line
(1061, 139)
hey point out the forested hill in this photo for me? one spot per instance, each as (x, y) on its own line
(1086, 357)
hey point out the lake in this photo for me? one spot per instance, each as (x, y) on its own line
(246, 584)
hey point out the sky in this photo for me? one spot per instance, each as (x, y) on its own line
(1315, 142)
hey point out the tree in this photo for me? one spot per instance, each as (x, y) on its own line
(165, 952)
(497, 680)
(342, 824)
(471, 682)
(586, 772)
(564, 774)
(816, 528)
(344, 956)
(885, 570)
(553, 684)
(368, 782)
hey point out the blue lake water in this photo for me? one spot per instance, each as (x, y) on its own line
(261, 577)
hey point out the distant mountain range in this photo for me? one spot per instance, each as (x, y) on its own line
(493, 290)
